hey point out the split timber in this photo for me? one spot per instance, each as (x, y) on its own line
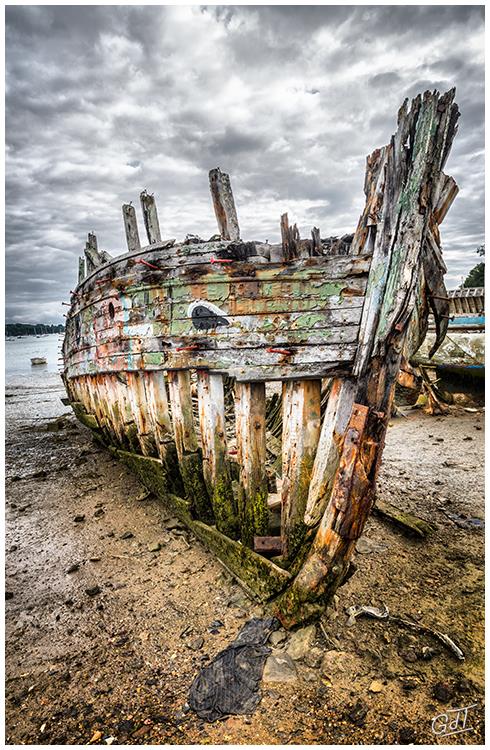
(171, 349)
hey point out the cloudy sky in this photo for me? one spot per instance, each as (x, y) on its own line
(105, 101)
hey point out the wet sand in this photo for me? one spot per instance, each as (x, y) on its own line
(110, 649)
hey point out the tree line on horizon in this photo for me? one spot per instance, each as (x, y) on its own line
(32, 329)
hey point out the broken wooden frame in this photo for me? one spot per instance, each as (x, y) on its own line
(153, 337)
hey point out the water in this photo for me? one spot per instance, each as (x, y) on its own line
(18, 353)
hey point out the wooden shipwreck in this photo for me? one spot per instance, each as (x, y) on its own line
(249, 385)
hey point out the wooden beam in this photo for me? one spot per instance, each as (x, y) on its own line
(251, 447)
(94, 257)
(335, 421)
(150, 217)
(81, 269)
(300, 433)
(131, 227)
(268, 545)
(211, 402)
(224, 205)
(317, 245)
(285, 238)
(187, 445)
(139, 406)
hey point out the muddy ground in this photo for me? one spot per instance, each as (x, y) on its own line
(105, 634)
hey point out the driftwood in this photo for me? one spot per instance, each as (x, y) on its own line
(170, 350)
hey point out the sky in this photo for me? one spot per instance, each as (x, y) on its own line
(105, 101)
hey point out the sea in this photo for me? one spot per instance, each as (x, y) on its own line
(33, 393)
(19, 372)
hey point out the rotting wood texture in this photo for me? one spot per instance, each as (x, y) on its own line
(224, 205)
(161, 342)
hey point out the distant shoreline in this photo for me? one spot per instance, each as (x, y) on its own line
(34, 329)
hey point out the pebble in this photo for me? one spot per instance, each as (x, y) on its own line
(196, 644)
(155, 547)
(376, 686)
(96, 736)
(93, 590)
(79, 519)
(127, 535)
(9, 595)
(73, 568)
(277, 637)
(301, 641)
(279, 667)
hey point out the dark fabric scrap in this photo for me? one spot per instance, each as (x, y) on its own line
(230, 683)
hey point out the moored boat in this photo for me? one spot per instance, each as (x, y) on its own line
(181, 355)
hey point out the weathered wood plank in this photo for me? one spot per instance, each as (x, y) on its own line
(179, 384)
(251, 448)
(285, 237)
(335, 421)
(139, 407)
(156, 398)
(185, 269)
(93, 256)
(81, 270)
(301, 430)
(187, 445)
(224, 205)
(268, 544)
(316, 242)
(150, 217)
(131, 228)
(235, 361)
(211, 402)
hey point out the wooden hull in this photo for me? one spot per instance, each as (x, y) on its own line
(250, 386)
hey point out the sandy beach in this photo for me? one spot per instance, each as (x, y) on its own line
(112, 606)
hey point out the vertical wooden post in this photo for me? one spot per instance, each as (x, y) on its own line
(335, 421)
(285, 236)
(211, 399)
(224, 205)
(158, 410)
(81, 270)
(109, 404)
(139, 407)
(94, 257)
(300, 432)
(317, 245)
(90, 259)
(131, 227)
(186, 443)
(150, 216)
(251, 448)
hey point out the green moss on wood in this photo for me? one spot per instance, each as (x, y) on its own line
(195, 487)
(258, 573)
(224, 507)
(254, 514)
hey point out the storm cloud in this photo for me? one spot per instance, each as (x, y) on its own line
(105, 101)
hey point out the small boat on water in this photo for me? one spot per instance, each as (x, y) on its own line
(39, 361)
(249, 385)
